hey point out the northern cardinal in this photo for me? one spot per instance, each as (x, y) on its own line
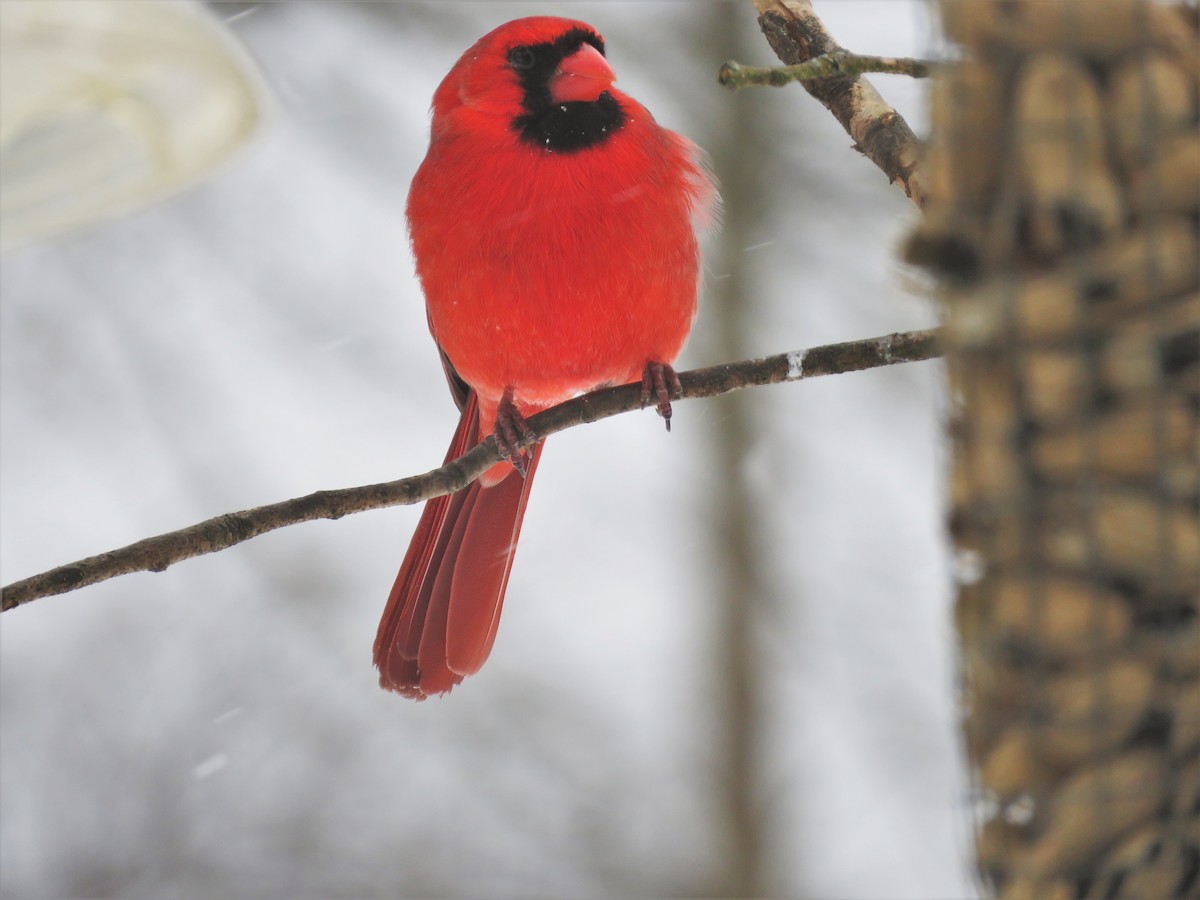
(554, 227)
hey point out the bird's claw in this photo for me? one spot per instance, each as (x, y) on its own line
(510, 430)
(659, 382)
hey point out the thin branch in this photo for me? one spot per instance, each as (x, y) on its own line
(155, 554)
(797, 36)
(840, 63)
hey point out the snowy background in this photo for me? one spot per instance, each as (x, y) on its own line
(217, 731)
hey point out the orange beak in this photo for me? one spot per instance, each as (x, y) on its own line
(584, 75)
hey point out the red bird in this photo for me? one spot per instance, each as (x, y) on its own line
(554, 227)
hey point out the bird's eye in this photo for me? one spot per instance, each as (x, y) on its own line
(520, 58)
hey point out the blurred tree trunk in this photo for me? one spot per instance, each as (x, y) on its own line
(736, 545)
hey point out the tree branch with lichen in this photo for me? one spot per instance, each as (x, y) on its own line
(155, 554)
(798, 36)
(840, 63)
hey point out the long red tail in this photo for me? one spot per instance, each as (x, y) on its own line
(440, 620)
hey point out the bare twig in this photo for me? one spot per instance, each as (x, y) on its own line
(880, 133)
(155, 554)
(840, 63)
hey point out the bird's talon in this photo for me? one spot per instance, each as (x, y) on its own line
(510, 430)
(661, 382)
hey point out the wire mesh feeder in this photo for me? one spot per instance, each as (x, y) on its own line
(1064, 174)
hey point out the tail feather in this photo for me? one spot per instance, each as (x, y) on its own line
(411, 582)
(492, 528)
(441, 616)
(436, 674)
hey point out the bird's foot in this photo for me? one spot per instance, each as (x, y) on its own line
(659, 382)
(510, 430)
